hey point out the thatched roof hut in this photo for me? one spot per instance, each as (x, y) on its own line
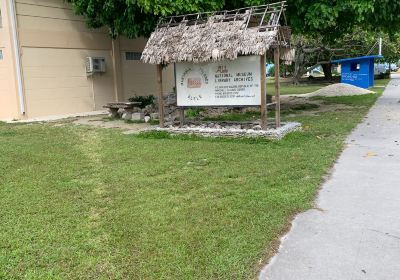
(219, 35)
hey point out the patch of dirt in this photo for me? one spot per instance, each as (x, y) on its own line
(103, 122)
(309, 107)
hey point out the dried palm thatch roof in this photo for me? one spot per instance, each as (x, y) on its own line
(218, 35)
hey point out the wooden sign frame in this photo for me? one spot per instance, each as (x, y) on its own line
(263, 107)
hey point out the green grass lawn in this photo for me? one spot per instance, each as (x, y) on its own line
(381, 82)
(288, 88)
(87, 203)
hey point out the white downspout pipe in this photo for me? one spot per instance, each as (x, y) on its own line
(14, 34)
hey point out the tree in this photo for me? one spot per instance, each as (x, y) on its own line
(134, 18)
(335, 18)
(317, 24)
(320, 25)
(312, 52)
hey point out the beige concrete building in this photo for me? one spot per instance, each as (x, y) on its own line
(43, 52)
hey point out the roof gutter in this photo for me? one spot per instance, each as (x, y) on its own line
(16, 49)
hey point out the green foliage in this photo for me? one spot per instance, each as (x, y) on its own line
(334, 18)
(283, 70)
(144, 100)
(173, 7)
(134, 18)
(323, 21)
(359, 42)
(193, 112)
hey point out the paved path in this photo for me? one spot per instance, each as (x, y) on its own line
(356, 234)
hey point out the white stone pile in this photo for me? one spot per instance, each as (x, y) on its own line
(232, 131)
(339, 89)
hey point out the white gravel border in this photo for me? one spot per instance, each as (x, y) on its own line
(275, 134)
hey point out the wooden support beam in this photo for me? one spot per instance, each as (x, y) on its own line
(160, 96)
(181, 117)
(263, 93)
(277, 89)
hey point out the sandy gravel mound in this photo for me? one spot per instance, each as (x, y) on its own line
(339, 90)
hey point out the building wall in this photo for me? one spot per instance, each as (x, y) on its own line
(8, 89)
(54, 44)
(56, 81)
(139, 78)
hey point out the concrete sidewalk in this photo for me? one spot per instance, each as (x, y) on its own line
(356, 232)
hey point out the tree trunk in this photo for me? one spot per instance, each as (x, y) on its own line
(327, 68)
(298, 66)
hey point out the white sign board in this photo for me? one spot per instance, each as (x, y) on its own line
(226, 83)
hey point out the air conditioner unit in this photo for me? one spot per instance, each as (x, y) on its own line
(95, 65)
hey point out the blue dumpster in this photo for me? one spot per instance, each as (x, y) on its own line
(358, 71)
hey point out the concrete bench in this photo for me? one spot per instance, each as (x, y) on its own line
(127, 107)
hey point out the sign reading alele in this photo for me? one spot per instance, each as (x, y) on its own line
(225, 83)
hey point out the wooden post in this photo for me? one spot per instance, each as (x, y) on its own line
(181, 117)
(263, 93)
(160, 96)
(277, 89)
